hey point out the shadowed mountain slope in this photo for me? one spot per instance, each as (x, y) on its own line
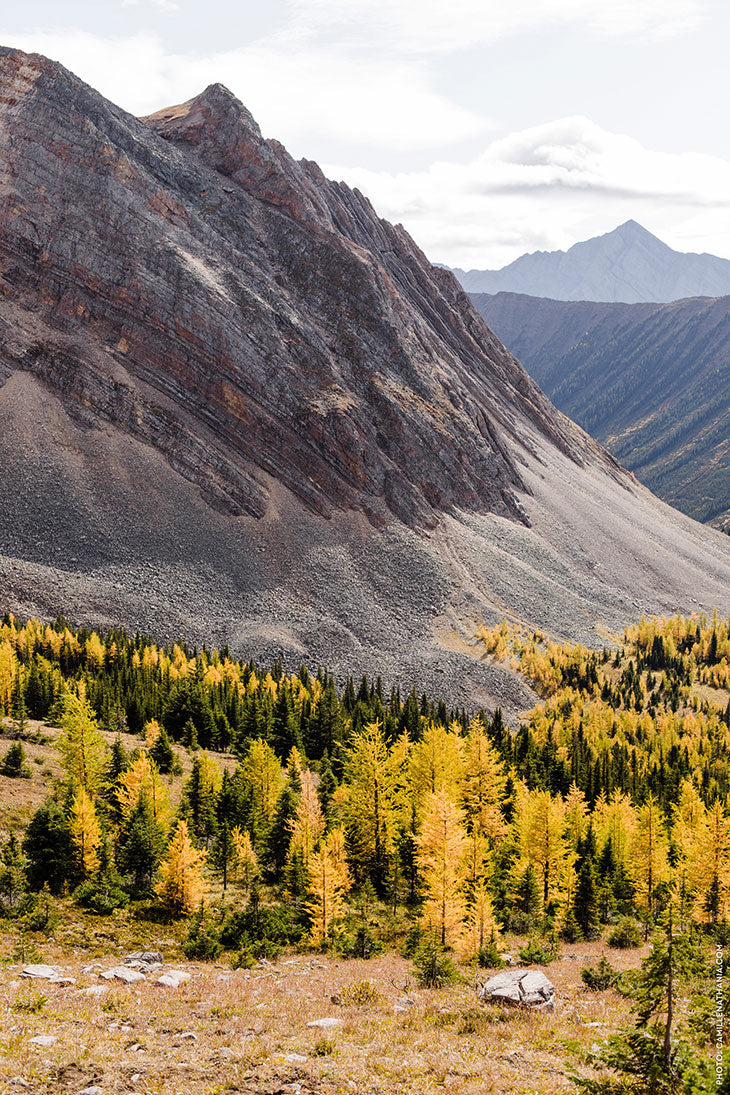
(628, 264)
(650, 381)
(240, 406)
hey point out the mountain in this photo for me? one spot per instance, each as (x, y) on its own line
(238, 406)
(628, 265)
(650, 381)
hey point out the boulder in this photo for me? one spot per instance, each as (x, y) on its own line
(39, 971)
(519, 988)
(172, 979)
(122, 973)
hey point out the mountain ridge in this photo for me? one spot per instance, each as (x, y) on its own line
(627, 265)
(651, 381)
(267, 420)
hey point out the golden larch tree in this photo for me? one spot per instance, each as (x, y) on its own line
(374, 787)
(307, 825)
(648, 854)
(180, 888)
(708, 866)
(482, 784)
(81, 744)
(85, 833)
(244, 862)
(541, 832)
(436, 763)
(143, 782)
(441, 853)
(329, 882)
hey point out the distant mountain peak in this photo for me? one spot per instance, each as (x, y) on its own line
(626, 265)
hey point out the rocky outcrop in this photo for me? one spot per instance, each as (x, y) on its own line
(188, 282)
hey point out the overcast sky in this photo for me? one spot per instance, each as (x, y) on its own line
(487, 127)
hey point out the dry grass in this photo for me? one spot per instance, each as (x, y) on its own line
(20, 798)
(246, 1024)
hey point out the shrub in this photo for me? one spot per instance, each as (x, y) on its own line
(359, 944)
(324, 1047)
(433, 967)
(265, 926)
(361, 994)
(13, 763)
(412, 941)
(600, 977)
(488, 955)
(203, 941)
(626, 934)
(540, 951)
(102, 895)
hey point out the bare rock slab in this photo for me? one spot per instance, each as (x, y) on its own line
(519, 988)
(39, 971)
(122, 973)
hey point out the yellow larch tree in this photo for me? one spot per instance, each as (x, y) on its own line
(481, 923)
(329, 882)
(85, 833)
(81, 744)
(441, 851)
(307, 825)
(8, 671)
(648, 854)
(262, 775)
(541, 833)
(708, 866)
(244, 862)
(482, 784)
(687, 820)
(615, 819)
(142, 781)
(374, 786)
(436, 763)
(180, 888)
(576, 815)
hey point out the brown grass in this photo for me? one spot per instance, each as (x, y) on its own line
(247, 1023)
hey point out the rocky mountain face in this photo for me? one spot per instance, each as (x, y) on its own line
(650, 381)
(627, 265)
(238, 406)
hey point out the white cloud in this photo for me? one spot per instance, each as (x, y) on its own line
(435, 26)
(548, 186)
(295, 91)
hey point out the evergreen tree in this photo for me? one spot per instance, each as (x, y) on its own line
(48, 848)
(585, 903)
(13, 763)
(13, 878)
(140, 845)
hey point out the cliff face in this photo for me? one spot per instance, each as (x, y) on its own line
(189, 282)
(238, 406)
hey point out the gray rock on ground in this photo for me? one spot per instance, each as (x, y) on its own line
(519, 988)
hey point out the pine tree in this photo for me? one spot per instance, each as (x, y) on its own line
(13, 763)
(47, 846)
(442, 847)
(162, 752)
(329, 882)
(13, 877)
(18, 709)
(200, 796)
(180, 888)
(81, 744)
(85, 834)
(585, 902)
(140, 845)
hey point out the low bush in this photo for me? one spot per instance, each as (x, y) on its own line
(626, 934)
(600, 977)
(433, 967)
(540, 950)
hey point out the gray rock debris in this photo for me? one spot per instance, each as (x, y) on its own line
(519, 988)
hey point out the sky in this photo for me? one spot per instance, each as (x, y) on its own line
(489, 128)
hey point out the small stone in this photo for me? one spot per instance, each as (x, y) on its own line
(96, 990)
(405, 1002)
(44, 1040)
(122, 973)
(18, 1081)
(40, 971)
(59, 979)
(328, 1023)
(295, 1059)
(188, 1036)
(173, 978)
(93, 1090)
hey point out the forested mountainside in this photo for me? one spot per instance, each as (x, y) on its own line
(652, 382)
(627, 265)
